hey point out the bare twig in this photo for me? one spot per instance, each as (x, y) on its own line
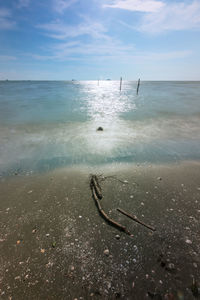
(134, 218)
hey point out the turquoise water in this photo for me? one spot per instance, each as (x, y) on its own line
(49, 124)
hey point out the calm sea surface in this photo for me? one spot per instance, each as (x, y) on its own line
(47, 124)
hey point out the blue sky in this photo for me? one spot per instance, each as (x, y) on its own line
(91, 39)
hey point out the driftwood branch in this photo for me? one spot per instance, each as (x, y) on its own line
(94, 184)
(134, 218)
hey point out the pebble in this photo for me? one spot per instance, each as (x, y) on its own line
(133, 284)
(80, 217)
(117, 237)
(131, 196)
(17, 278)
(106, 252)
(72, 268)
(188, 241)
(195, 265)
(29, 192)
(42, 250)
(47, 234)
(159, 178)
(142, 203)
(170, 267)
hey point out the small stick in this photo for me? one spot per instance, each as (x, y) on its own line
(105, 216)
(138, 85)
(96, 185)
(134, 218)
(120, 87)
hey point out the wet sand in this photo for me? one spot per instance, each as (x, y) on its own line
(52, 238)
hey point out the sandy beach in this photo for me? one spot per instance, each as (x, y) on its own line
(53, 239)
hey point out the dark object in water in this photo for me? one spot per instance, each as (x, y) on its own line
(100, 128)
(138, 85)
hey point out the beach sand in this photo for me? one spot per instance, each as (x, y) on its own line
(52, 238)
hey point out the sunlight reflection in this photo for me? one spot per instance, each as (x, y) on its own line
(105, 106)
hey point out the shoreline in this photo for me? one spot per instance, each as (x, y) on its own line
(53, 239)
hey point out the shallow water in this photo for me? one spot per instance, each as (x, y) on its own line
(44, 125)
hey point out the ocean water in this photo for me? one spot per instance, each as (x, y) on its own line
(50, 124)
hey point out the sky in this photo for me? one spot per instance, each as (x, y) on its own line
(99, 39)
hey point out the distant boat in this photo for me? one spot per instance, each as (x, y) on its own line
(108, 79)
(73, 79)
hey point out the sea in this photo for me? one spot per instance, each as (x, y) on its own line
(46, 125)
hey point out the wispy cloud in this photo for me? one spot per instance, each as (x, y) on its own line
(136, 5)
(6, 21)
(59, 30)
(23, 3)
(61, 5)
(174, 16)
(7, 58)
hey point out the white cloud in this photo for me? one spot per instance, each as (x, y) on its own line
(175, 16)
(61, 5)
(162, 16)
(136, 5)
(5, 19)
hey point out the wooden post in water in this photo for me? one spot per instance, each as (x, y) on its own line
(138, 85)
(120, 87)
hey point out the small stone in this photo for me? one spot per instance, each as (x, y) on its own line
(188, 241)
(72, 268)
(170, 267)
(18, 242)
(117, 236)
(147, 276)
(195, 265)
(106, 252)
(131, 196)
(42, 250)
(47, 234)
(100, 128)
(17, 278)
(80, 217)
(133, 284)
(159, 178)
(29, 192)
(142, 203)
(34, 230)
